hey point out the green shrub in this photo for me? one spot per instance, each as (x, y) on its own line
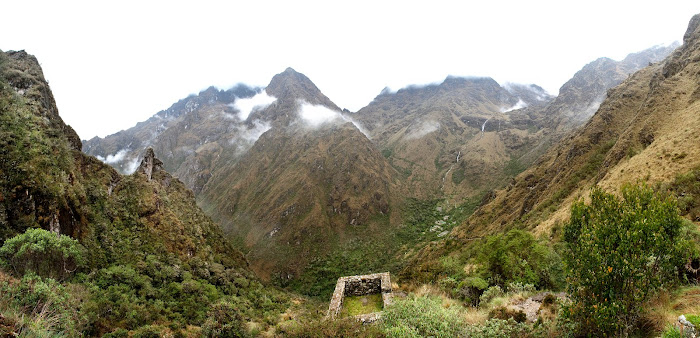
(42, 252)
(471, 289)
(516, 256)
(515, 287)
(490, 293)
(505, 328)
(223, 320)
(620, 252)
(347, 327)
(422, 317)
(46, 302)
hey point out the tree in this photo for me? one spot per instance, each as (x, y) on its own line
(619, 253)
(43, 252)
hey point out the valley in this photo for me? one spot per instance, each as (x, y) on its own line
(234, 211)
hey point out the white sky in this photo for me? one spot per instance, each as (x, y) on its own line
(112, 64)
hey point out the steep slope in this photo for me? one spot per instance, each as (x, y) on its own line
(645, 130)
(145, 236)
(439, 135)
(191, 135)
(293, 195)
(580, 97)
(468, 135)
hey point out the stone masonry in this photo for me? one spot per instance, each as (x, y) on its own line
(360, 286)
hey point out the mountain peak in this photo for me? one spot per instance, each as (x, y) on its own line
(291, 85)
(692, 31)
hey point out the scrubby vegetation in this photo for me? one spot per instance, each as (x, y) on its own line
(134, 255)
(620, 253)
(423, 221)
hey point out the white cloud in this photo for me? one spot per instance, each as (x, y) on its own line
(519, 105)
(425, 128)
(248, 105)
(132, 165)
(314, 116)
(253, 134)
(112, 159)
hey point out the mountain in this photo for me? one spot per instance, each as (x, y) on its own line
(151, 257)
(466, 136)
(645, 130)
(294, 195)
(292, 178)
(452, 139)
(580, 97)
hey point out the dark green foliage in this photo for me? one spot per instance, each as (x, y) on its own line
(152, 260)
(42, 252)
(223, 320)
(372, 252)
(620, 253)
(516, 256)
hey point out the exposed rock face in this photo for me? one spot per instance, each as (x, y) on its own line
(150, 164)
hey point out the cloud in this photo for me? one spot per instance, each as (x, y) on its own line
(132, 165)
(120, 160)
(112, 159)
(248, 105)
(253, 134)
(315, 116)
(425, 128)
(519, 105)
(246, 137)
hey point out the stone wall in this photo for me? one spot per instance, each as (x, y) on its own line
(360, 286)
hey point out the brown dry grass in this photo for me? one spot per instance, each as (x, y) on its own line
(667, 306)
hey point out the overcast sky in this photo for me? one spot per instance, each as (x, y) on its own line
(112, 64)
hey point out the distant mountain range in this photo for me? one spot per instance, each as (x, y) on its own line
(287, 173)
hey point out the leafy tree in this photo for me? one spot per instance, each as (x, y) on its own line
(44, 253)
(620, 252)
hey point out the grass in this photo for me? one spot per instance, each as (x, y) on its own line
(360, 305)
(666, 307)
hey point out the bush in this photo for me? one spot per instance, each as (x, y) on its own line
(490, 293)
(471, 289)
(422, 317)
(620, 252)
(223, 320)
(505, 328)
(517, 256)
(45, 303)
(345, 327)
(42, 252)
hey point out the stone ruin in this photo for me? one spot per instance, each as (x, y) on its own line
(360, 286)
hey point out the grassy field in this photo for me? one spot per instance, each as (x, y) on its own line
(359, 305)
